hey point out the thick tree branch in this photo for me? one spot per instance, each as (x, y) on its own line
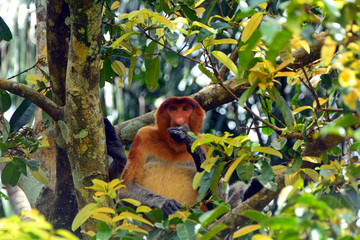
(209, 97)
(234, 218)
(37, 98)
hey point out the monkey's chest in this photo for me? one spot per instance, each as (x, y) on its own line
(171, 180)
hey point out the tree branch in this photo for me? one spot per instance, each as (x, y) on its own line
(35, 97)
(260, 200)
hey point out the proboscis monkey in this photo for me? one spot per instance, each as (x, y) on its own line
(160, 167)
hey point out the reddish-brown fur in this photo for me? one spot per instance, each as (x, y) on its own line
(169, 162)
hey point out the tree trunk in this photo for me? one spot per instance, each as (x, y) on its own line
(83, 130)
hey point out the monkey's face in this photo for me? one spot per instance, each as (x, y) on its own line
(179, 114)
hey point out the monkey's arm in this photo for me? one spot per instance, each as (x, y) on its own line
(180, 134)
(135, 191)
(116, 150)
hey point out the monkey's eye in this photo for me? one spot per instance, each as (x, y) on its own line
(186, 108)
(172, 108)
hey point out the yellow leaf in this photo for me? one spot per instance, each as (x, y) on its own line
(102, 210)
(299, 109)
(251, 26)
(270, 66)
(267, 150)
(290, 179)
(197, 179)
(5, 159)
(285, 74)
(211, 42)
(233, 167)
(328, 51)
(99, 185)
(113, 183)
(115, 5)
(284, 195)
(102, 217)
(117, 218)
(40, 176)
(199, 10)
(118, 67)
(321, 101)
(199, 24)
(313, 174)
(120, 39)
(278, 169)
(131, 216)
(164, 20)
(245, 230)
(130, 228)
(224, 59)
(261, 237)
(196, 47)
(305, 45)
(312, 159)
(132, 201)
(32, 78)
(82, 215)
(143, 209)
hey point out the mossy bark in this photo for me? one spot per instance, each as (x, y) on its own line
(85, 138)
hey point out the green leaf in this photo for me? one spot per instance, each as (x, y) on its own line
(256, 216)
(346, 121)
(211, 234)
(83, 215)
(10, 174)
(284, 108)
(40, 176)
(245, 171)
(214, 214)
(104, 231)
(205, 183)
(280, 41)
(333, 130)
(5, 101)
(5, 32)
(207, 73)
(190, 13)
(251, 26)
(267, 150)
(22, 115)
(152, 74)
(186, 231)
(134, 56)
(296, 164)
(224, 59)
(245, 96)
(171, 57)
(278, 143)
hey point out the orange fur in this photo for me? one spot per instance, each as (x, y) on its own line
(158, 163)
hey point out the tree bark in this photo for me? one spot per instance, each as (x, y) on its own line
(83, 129)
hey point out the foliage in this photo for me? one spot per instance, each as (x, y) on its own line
(299, 64)
(36, 228)
(305, 212)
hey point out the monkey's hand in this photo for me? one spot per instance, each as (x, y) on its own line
(180, 134)
(169, 206)
(115, 149)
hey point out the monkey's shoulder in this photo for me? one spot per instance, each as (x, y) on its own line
(154, 144)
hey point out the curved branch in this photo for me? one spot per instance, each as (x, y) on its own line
(209, 97)
(35, 97)
(260, 200)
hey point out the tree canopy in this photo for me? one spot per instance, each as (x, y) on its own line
(279, 80)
